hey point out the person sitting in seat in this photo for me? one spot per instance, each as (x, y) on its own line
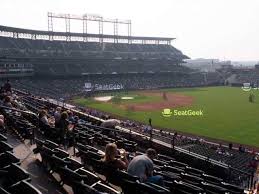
(111, 157)
(8, 102)
(43, 119)
(142, 166)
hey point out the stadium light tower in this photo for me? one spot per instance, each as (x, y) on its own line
(85, 18)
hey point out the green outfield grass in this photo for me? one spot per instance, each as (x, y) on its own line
(228, 115)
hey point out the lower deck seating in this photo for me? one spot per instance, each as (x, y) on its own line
(13, 178)
(78, 164)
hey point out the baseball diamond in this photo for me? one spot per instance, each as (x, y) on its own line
(227, 113)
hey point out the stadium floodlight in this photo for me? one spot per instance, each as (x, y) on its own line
(88, 17)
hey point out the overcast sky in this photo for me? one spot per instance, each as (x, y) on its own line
(224, 29)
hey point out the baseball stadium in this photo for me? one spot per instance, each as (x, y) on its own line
(79, 110)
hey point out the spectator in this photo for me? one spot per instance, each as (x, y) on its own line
(51, 111)
(57, 116)
(71, 118)
(43, 119)
(142, 166)
(230, 146)
(7, 87)
(63, 122)
(253, 164)
(241, 148)
(7, 102)
(111, 157)
(76, 120)
(2, 126)
(63, 127)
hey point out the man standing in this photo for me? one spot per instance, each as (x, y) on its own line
(173, 140)
(142, 166)
(164, 96)
(57, 116)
